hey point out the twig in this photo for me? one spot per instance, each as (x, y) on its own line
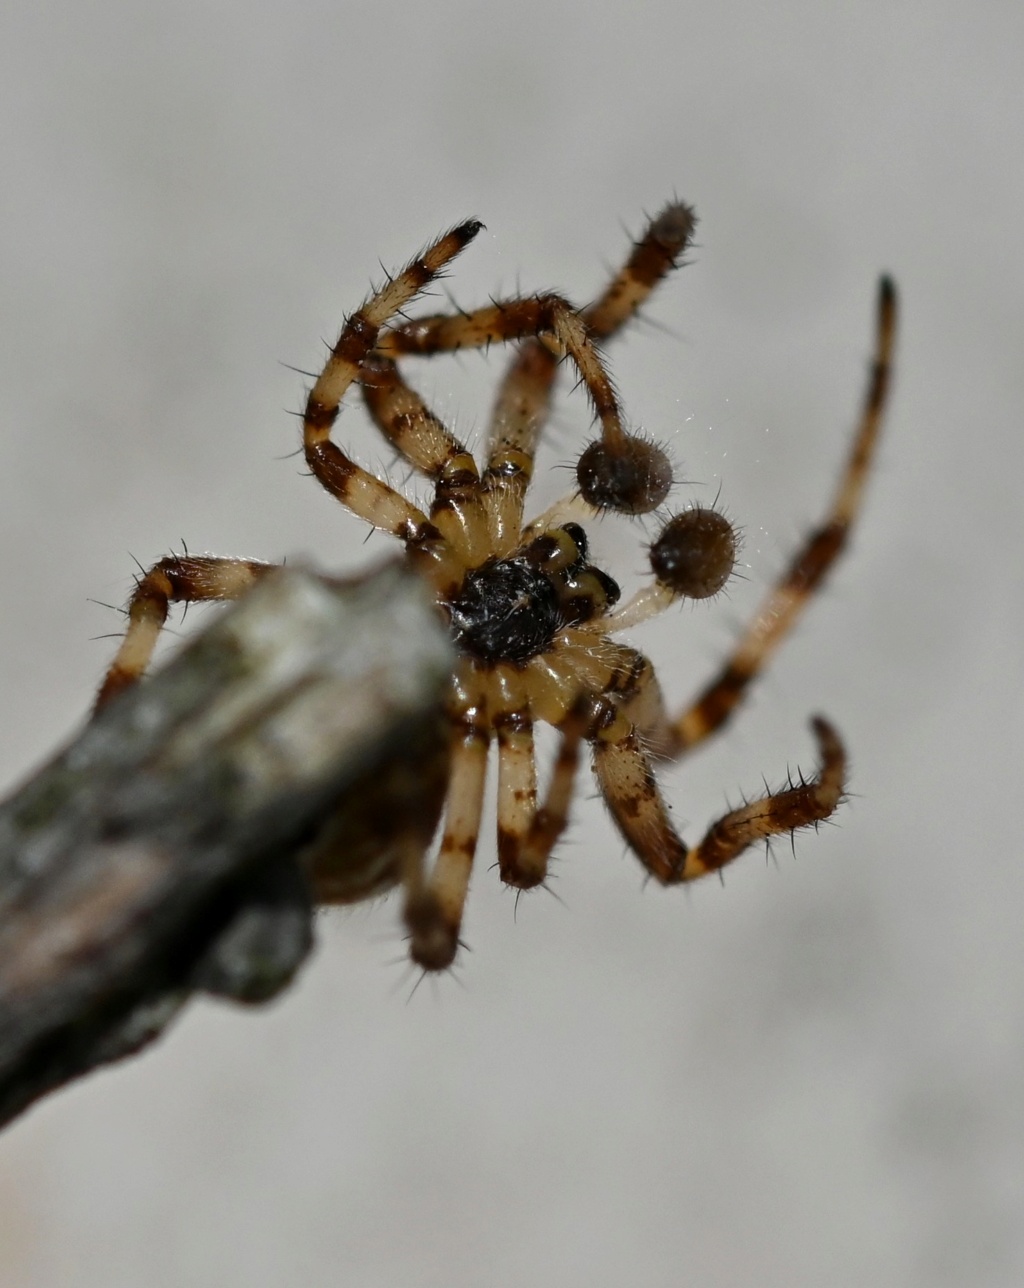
(155, 854)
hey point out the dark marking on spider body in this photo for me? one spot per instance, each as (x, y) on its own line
(533, 621)
(510, 610)
(505, 611)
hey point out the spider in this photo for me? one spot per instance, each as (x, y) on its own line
(535, 622)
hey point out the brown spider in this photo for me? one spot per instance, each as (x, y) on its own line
(533, 621)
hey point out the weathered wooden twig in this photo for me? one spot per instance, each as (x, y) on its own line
(155, 854)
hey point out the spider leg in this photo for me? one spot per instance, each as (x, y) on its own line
(627, 782)
(658, 251)
(781, 609)
(407, 422)
(434, 911)
(518, 416)
(510, 463)
(429, 446)
(523, 403)
(618, 471)
(527, 834)
(515, 319)
(359, 490)
(183, 579)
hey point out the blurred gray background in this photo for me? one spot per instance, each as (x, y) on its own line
(810, 1076)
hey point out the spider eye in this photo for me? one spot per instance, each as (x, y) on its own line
(695, 554)
(632, 476)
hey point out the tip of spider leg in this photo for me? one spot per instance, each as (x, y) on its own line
(673, 227)
(467, 230)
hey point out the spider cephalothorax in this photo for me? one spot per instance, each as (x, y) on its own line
(533, 621)
(512, 610)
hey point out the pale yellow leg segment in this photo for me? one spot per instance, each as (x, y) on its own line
(435, 918)
(523, 403)
(519, 414)
(359, 335)
(527, 834)
(408, 424)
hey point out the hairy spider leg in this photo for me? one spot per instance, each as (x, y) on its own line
(527, 833)
(181, 579)
(625, 734)
(523, 403)
(357, 489)
(434, 913)
(408, 424)
(626, 778)
(422, 439)
(513, 319)
(466, 512)
(504, 703)
(780, 611)
(806, 572)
